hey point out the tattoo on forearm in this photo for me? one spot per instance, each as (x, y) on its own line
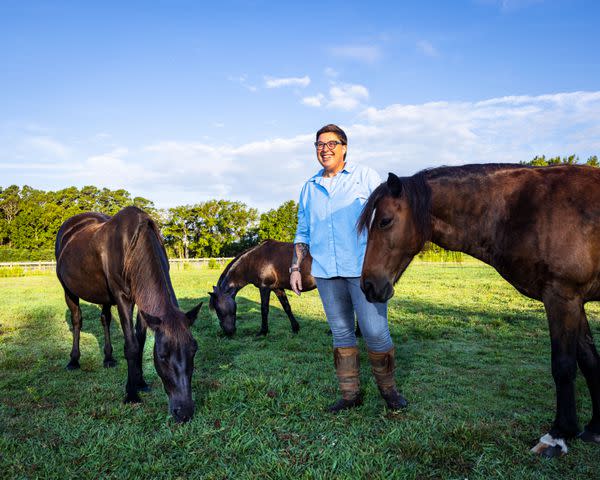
(300, 251)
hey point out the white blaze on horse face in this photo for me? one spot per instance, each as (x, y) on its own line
(372, 218)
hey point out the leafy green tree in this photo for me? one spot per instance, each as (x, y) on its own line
(177, 230)
(10, 205)
(30, 218)
(279, 223)
(542, 161)
(209, 229)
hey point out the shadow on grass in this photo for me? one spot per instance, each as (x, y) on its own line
(222, 360)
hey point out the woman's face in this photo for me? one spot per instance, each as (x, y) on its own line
(332, 160)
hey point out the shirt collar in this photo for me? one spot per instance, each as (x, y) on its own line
(348, 168)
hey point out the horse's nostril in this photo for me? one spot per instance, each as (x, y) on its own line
(368, 288)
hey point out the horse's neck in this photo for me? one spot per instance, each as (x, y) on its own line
(463, 214)
(234, 278)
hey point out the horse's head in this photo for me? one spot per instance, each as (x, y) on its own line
(222, 301)
(395, 217)
(174, 350)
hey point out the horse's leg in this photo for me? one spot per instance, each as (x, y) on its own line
(134, 369)
(564, 319)
(140, 333)
(73, 304)
(358, 333)
(106, 318)
(589, 363)
(288, 310)
(265, 294)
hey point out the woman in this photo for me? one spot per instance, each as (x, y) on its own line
(329, 206)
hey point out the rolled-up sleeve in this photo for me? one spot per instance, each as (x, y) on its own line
(303, 228)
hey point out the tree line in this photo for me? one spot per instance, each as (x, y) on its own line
(30, 219)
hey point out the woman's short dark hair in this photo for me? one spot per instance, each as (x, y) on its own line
(331, 128)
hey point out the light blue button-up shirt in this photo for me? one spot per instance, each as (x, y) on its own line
(327, 213)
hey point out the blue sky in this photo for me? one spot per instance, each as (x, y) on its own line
(182, 101)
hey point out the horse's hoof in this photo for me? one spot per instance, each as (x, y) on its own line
(295, 329)
(143, 387)
(132, 399)
(73, 365)
(552, 452)
(549, 447)
(262, 333)
(589, 437)
(111, 363)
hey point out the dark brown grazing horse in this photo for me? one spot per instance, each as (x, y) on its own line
(121, 261)
(538, 226)
(266, 266)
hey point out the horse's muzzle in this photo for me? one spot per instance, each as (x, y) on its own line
(229, 332)
(182, 412)
(376, 290)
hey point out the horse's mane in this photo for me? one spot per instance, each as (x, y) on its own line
(147, 269)
(470, 169)
(221, 283)
(418, 194)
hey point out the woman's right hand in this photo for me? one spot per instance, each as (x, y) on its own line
(296, 282)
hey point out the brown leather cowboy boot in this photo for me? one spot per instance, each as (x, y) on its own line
(383, 365)
(346, 361)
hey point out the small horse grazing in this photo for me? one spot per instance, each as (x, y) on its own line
(266, 266)
(121, 261)
(539, 227)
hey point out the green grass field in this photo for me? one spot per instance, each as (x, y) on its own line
(473, 360)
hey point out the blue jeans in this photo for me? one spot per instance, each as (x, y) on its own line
(342, 297)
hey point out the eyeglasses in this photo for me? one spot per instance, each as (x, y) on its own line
(330, 145)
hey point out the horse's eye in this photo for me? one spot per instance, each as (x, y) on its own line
(384, 223)
(163, 357)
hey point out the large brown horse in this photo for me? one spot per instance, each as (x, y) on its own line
(266, 266)
(121, 261)
(538, 226)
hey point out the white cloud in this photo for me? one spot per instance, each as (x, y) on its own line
(347, 96)
(508, 129)
(362, 53)
(427, 48)
(331, 73)
(243, 81)
(507, 6)
(273, 82)
(314, 101)
(48, 146)
(341, 96)
(266, 172)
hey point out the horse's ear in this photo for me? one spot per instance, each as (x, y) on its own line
(152, 321)
(193, 313)
(394, 184)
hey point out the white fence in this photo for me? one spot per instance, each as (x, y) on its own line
(176, 263)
